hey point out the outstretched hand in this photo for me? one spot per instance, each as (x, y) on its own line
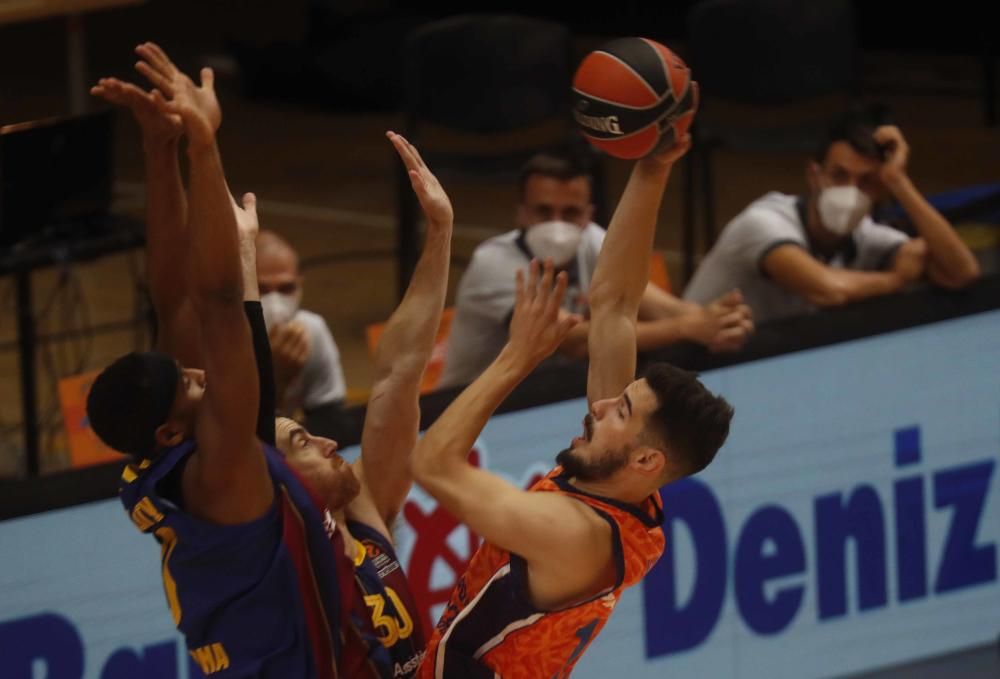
(668, 157)
(158, 127)
(176, 94)
(432, 197)
(537, 328)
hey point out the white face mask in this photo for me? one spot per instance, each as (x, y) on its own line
(279, 308)
(557, 241)
(841, 208)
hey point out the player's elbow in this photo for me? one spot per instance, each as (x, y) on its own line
(424, 465)
(435, 466)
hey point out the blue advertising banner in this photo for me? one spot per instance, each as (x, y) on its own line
(851, 522)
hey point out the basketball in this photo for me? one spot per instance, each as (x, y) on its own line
(633, 97)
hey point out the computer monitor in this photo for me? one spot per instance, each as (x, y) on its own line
(55, 178)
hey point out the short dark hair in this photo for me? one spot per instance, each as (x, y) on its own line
(131, 398)
(856, 127)
(563, 165)
(689, 419)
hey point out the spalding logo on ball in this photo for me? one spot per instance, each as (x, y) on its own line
(633, 97)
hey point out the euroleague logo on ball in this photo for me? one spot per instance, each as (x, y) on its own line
(633, 97)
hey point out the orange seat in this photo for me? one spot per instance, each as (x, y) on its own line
(84, 447)
(435, 366)
(658, 274)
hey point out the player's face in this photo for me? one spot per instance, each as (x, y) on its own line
(610, 433)
(548, 199)
(316, 459)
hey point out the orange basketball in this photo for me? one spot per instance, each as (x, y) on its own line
(633, 97)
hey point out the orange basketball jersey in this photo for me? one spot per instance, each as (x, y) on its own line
(490, 628)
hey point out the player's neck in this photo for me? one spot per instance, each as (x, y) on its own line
(611, 489)
(340, 516)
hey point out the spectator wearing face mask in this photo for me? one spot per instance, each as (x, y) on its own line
(554, 222)
(792, 254)
(307, 371)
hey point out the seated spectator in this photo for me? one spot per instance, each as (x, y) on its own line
(307, 371)
(554, 221)
(792, 254)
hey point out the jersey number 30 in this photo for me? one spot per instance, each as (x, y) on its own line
(395, 629)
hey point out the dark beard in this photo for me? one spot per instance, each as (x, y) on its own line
(596, 470)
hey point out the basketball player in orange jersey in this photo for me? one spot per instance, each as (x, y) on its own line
(557, 557)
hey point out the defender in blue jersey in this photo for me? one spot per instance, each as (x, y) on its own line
(277, 560)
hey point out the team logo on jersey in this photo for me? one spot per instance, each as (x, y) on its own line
(383, 563)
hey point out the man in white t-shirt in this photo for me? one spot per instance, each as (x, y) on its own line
(793, 254)
(307, 370)
(554, 221)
